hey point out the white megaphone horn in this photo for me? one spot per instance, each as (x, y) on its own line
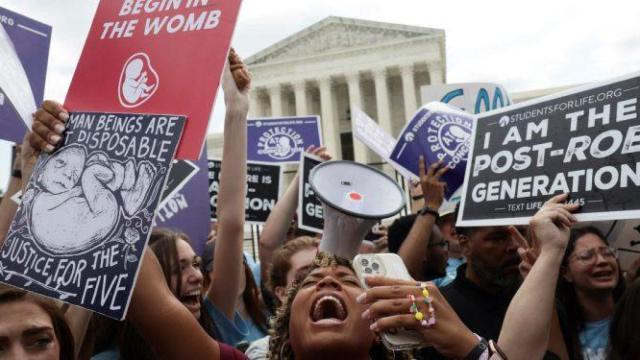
(354, 197)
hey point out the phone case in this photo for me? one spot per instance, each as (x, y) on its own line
(389, 265)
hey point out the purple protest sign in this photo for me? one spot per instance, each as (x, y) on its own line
(187, 210)
(24, 53)
(281, 140)
(438, 132)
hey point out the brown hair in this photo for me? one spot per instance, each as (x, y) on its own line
(281, 260)
(163, 243)
(624, 331)
(60, 326)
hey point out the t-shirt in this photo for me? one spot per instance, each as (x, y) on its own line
(481, 311)
(452, 271)
(236, 331)
(594, 339)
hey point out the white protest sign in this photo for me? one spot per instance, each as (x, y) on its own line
(473, 98)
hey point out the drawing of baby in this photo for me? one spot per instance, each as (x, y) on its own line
(135, 85)
(78, 204)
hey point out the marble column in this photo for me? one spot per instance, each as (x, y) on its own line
(355, 102)
(330, 128)
(275, 96)
(409, 91)
(436, 74)
(255, 109)
(300, 91)
(382, 99)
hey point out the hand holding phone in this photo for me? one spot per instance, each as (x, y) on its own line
(389, 296)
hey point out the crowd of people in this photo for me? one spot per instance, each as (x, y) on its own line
(552, 290)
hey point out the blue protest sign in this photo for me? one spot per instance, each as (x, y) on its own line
(24, 53)
(438, 132)
(281, 140)
(185, 210)
(85, 218)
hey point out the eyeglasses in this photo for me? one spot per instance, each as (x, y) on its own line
(589, 255)
(443, 244)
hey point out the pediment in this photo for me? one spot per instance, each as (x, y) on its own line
(334, 34)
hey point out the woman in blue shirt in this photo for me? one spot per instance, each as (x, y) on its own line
(589, 288)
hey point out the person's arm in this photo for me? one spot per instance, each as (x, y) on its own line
(275, 228)
(163, 321)
(526, 327)
(227, 264)
(413, 247)
(8, 207)
(78, 319)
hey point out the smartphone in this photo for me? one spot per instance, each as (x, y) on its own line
(389, 265)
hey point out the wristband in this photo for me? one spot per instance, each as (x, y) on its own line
(17, 173)
(427, 210)
(480, 349)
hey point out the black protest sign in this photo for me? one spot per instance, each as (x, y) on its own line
(181, 172)
(87, 211)
(310, 212)
(585, 142)
(263, 189)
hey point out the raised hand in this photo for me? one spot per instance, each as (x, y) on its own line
(551, 225)
(320, 151)
(47, 127)
(236, 81)
(432, 187)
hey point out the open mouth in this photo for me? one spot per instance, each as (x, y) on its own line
(602, 274)
(328, 309)
(191, 299)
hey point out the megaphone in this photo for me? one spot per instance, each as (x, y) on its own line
(354, 197)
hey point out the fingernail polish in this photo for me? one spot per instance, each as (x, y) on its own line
(58, 128)
(366, 314)
(361, 298)
(55, 138)
(63, 116)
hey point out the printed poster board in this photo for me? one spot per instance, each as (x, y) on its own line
(86, 215)
(584, 142)
(24, 54)
(263, 189)
(283, 139)
(156, 57)
(310, 210)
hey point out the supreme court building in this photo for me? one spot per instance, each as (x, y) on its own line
(340, 63)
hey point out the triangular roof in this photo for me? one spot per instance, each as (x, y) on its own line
(338, 33)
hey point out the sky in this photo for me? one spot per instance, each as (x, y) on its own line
(523, 45)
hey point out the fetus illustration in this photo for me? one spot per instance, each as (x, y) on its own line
(453, 137)
(283, 148)
(138, 81)
(79, 198)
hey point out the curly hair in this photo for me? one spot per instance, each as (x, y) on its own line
(279, 347)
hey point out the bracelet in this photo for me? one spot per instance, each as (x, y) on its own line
(427, 210)
(17, 173)
(479, 350)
